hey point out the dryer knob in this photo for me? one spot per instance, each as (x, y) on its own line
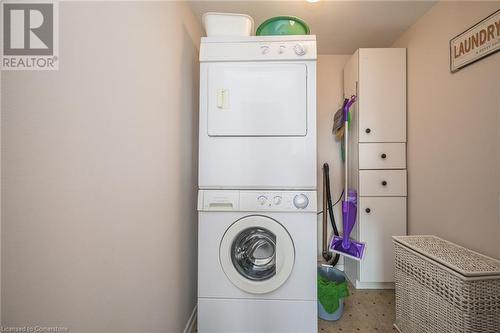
(262, 200)
(264, 49)
(299, 49)
(300, 201)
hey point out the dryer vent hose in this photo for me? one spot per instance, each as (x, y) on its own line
(327, 206)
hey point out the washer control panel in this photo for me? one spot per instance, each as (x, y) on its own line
(295, 201)
(284, 201)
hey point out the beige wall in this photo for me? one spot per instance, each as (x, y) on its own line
(329, 100)
(453, 132)
(99, 164)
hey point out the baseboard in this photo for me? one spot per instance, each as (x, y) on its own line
(370, 285)
(190, 325)
(351, 280)
(374, 285)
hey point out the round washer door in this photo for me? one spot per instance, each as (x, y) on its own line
(257, 254)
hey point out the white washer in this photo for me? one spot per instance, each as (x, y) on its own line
(257, 112)
(257, 261)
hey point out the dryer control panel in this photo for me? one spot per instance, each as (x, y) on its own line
(258, 48)
(254, 201)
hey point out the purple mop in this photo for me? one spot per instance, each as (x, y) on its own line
(345, 245)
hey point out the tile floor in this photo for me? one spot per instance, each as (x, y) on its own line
(365, 311)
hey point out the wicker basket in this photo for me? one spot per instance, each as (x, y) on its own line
(444, 288)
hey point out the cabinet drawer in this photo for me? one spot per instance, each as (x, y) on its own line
(380, 218)
(382, 156)
(381, 183)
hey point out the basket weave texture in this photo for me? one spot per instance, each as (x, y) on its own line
(445, 288)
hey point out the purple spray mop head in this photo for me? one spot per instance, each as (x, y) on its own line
(345, 245)
(355, 250)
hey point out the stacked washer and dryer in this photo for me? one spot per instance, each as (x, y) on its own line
(257, 185)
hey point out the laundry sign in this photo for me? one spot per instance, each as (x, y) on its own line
(477, 42)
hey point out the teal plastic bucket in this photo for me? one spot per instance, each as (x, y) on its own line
(331, 274)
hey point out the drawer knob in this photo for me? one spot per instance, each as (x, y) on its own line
(384, 183)
(383, 156)
(368, 131)
(368, 210)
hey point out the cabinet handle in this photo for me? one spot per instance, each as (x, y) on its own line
(367, 131)
(383, 156)
(368, 210)
(384, 183)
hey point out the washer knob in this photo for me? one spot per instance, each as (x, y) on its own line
(299, 49)
(277, 200)
(300, 201)
(262, 200)
(264, 49)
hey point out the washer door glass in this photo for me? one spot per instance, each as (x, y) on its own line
(257, 254)
(253, 253)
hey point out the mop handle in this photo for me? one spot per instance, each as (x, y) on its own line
(346, 143)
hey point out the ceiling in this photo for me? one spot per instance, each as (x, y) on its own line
(341, 26)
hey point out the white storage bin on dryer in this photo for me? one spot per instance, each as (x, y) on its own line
(227, 24)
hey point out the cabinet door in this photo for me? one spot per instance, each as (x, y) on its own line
(257, 99)
(379, 220)
(382, 95)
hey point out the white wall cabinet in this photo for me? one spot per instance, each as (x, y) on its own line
(382, 85)
(377, 160)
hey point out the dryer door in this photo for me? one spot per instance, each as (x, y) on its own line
(257, 99)
(257, 254)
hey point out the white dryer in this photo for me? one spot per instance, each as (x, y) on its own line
(257, 113)
(257, 261)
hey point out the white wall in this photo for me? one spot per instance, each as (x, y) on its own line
(99, 164)
(330, 96)
(453, 132)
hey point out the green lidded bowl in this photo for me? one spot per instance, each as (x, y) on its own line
(283, 25)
